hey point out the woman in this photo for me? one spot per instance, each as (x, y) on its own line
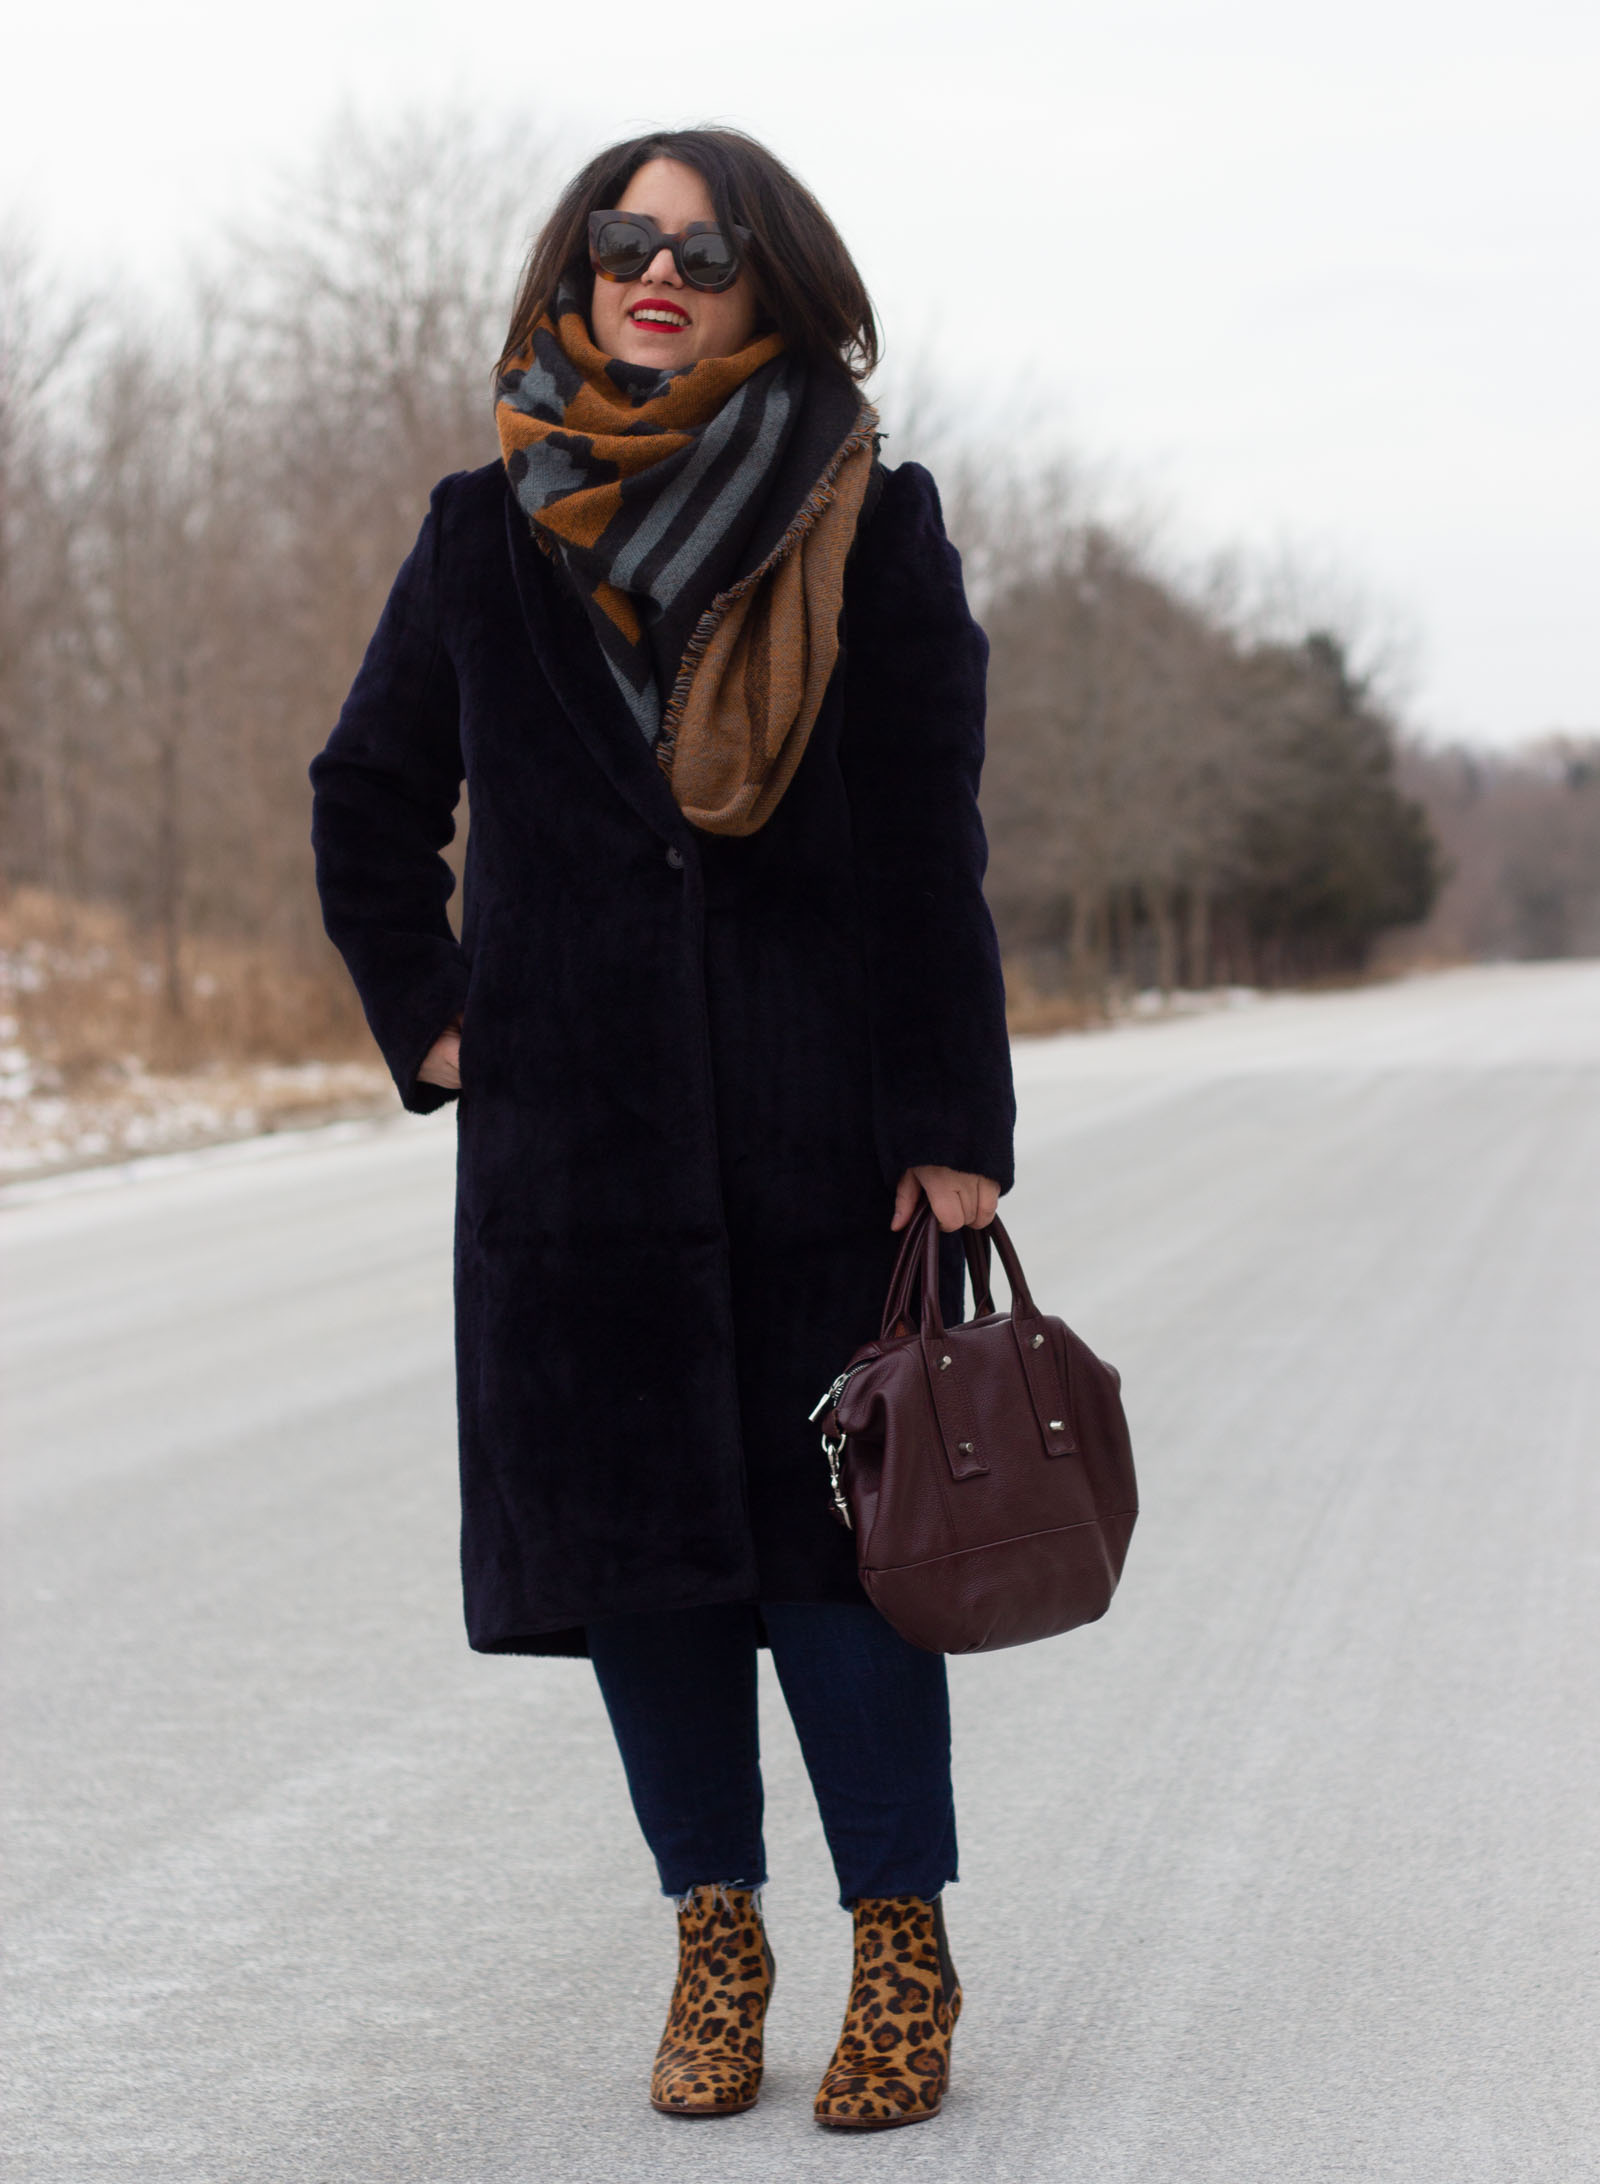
(728, 1001)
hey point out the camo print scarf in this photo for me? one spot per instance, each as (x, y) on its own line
(705, 515)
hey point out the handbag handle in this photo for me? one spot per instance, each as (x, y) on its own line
(1022, 1304)
(1044, 1372)
(919, 1251)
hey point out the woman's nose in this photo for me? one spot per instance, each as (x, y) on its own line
(663, 267)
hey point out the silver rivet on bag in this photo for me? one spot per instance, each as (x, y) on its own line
(1038, 1341)
(1057, 1425)
(943, 1362)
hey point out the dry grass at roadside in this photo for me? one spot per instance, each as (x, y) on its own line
(1034, 1011)
(84, 988)
(97, 1065)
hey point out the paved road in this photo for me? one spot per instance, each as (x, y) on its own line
(1285, 1872)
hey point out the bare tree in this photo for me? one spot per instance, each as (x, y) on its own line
(39, 337)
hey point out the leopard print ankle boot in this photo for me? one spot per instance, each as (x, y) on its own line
(709, 2060)
(892, 2063)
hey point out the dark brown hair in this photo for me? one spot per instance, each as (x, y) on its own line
(806, 281)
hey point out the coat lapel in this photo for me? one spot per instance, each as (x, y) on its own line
(565, 649)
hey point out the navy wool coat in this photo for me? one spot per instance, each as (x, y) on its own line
(693, 1066)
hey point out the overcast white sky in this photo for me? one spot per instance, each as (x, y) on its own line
(1324, 277)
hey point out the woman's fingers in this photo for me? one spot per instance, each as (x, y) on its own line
(906, 1193)
(943, 1186)
(959, 1200)
(441, 1065)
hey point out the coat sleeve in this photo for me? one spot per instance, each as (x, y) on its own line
(385, 790)
(912, 752)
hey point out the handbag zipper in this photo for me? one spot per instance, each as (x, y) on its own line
(833, 1445)
(827, 1401)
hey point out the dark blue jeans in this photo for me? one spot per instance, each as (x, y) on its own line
(872, 1714)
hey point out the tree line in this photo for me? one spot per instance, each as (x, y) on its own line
(1175, 800)
(1519, 835)
(200, 516)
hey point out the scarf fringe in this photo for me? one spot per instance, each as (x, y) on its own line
(863, 433)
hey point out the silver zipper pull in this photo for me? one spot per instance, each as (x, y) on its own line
(827, 1401)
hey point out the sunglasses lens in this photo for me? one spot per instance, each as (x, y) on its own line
(708, 260)
(622, 250)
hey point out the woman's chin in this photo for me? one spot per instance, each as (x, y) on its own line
(664, 351)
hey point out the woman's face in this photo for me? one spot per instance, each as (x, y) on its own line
(659, 319)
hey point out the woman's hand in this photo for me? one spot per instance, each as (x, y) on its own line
(958, 1200)
(441, 1064)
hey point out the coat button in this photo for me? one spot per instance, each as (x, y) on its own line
(675, 859)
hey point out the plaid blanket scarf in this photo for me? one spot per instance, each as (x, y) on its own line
(704, 515)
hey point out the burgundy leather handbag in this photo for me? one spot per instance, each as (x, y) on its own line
(985, 1469)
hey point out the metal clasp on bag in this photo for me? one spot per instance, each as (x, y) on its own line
(833, 1449)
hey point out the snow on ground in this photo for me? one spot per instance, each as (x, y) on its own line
(1485, 1016)
(125, 1111)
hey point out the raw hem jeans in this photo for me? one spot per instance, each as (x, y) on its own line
(871, 1711)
